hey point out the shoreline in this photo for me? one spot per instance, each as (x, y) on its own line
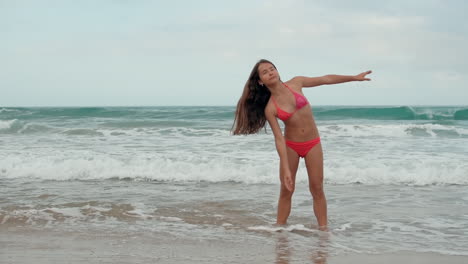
(19, 245)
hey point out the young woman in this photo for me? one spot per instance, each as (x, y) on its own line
(266, 98)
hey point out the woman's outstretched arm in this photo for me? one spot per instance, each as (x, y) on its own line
(303, 81)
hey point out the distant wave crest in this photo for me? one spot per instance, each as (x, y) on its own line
(226, 113)
(392, 113)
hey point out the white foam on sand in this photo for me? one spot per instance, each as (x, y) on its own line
(288, 228)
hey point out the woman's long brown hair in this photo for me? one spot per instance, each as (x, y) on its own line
(250, 112)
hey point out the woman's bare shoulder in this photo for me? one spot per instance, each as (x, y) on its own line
(295, 83)
(270, 110)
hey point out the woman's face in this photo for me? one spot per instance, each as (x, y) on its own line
(267, 73)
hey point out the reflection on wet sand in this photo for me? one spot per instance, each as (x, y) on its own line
(283, 251)
(318, 248)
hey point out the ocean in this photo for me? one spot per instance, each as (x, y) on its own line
(396, 179)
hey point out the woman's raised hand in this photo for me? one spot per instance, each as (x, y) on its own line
(362, 76)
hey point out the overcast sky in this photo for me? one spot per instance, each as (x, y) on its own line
(152, 53)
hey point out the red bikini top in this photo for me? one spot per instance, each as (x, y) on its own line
(301, 101)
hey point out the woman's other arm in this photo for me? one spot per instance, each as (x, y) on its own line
(285, 172)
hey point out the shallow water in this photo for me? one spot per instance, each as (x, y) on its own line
(395, 179)
(362, 218)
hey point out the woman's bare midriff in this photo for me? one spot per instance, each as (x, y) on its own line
(301, 127)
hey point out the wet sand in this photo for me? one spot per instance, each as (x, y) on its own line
(43, 246)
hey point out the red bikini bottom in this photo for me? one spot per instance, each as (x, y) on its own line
(302, 148)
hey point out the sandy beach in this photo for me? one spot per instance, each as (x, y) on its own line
(35, 246)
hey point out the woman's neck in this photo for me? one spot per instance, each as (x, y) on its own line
(276, 88)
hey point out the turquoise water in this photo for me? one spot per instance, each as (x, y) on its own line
(373, 145)
(222, 113)
(395, 176)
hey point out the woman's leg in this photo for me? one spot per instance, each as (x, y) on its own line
(314, 164)
(284, 202)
